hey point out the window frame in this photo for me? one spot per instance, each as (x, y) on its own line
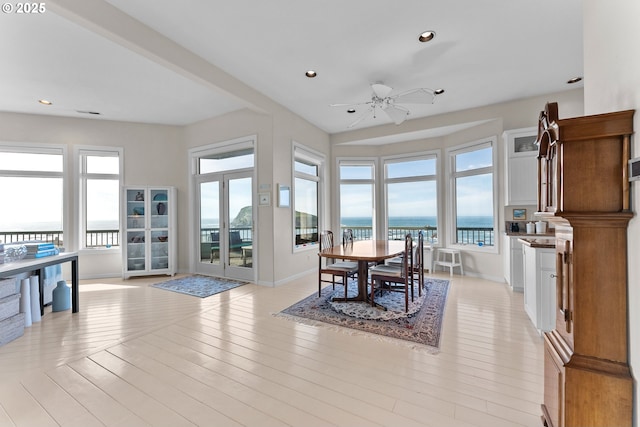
(435, 177)
(36, 148)
(451, 191)
(300, 152)
(80, 155)
(375, 188)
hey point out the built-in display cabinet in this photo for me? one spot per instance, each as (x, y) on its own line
(521, 163)
(584, 190)
(149, 235)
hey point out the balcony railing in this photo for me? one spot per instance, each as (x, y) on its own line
(94, 238)
(107, 238)
(466, 235)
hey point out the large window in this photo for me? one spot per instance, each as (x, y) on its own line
(412, 197)
(100, 196)
(31, 188)
(357, 202)
(472, 178)
(307, 201)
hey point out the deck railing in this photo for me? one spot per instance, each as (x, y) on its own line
(108, 238)
(466, 235)
(94, 238)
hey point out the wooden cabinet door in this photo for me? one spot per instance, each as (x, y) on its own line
(553, 407)
(564, 286)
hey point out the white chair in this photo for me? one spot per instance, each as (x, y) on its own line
(450, 258)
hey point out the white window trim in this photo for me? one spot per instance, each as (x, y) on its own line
(78, 189)
(359, 161)
(300, 151)
(424, 155)
(36, 148)
(491, 141)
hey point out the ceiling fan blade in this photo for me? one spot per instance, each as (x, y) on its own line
(381, 91)
(350, 105)
(415, 96)
(362, 117)
(396, 113)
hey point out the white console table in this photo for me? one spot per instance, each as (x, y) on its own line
(30, 265)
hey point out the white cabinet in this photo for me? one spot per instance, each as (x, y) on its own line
(149, 236)
(540, 286)
(513, 266)
(522, 167)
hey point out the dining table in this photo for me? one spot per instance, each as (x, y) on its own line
(364, 252)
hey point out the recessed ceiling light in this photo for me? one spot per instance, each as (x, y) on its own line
(574, 80)
(438, 91)
(311, 74)
(351, 110)
(426, 36)
(88, 112)
(45, 102)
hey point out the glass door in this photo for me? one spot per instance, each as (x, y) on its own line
(225, 218)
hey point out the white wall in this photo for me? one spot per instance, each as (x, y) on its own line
(612, 83)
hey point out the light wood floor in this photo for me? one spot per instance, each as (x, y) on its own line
(136, 355)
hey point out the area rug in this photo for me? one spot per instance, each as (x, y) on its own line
(420, 328)
(198, 285)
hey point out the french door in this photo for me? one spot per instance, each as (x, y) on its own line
(225, 218)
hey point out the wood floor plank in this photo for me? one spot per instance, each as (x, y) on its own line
(149, 410)
(137, 352)
(100, 404)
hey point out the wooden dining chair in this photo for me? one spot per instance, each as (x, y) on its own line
(343, 269)
(418, 261)
(386, 275)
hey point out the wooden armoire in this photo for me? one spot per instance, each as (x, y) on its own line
(583, 189)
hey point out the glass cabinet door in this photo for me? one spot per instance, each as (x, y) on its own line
(136, 223)
(159, 228)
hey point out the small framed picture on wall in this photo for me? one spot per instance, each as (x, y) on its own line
(520, 214)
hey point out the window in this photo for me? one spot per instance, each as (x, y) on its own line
(31, 188)
(412, 197)
(357, 202)
(226, 161)
(472, 182)
(100, 197)
(307, 191)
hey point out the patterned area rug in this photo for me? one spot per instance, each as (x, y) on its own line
(422, 325)
(199, 286)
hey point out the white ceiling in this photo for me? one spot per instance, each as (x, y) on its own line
(178, 62)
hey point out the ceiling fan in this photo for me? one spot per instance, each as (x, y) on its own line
(382, 101)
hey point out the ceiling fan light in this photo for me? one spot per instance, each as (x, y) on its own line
(426, 36)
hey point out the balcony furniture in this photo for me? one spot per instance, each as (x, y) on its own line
(449, 258)
(334, 267)
(583, 188)
(386, 275)
(235, 244)
(364, 252)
